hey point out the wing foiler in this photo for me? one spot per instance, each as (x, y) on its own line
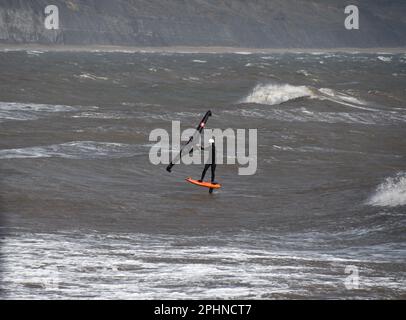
(192, 141)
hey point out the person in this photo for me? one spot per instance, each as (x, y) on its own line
(211, 164)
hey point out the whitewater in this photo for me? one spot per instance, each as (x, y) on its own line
(84, 214)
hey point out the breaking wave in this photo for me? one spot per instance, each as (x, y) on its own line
(385, 59)
(342, 98)
(134, 265)
(274, 94)
(390, 193)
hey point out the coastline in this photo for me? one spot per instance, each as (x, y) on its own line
(193, 50)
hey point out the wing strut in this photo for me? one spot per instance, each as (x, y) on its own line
(189, 145)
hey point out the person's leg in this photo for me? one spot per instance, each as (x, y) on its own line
(206, 167)
(213, 172)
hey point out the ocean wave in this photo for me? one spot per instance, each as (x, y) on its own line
(274, 94)
(100, 115)
(191, 79)
(30, 111)
(391, 192)
(244, 53)
(12, 106)
(34, 52)
(128, 266)
(312, 149)
(303, 72)
(90, 76)
(342, 98)
(305, 115)
(384, 59)
(74, 150)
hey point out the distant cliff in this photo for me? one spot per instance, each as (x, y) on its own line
(244, 23)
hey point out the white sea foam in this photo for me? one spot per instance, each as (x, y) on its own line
(273, 94)
(191, 79)
(100, 115)
(342, 98)
(304, 115)
(243, 52)
(303, 72)
(73, 150)
(199, 61)
(310, 149)
(134, 266)
(385, 59)
(16, 106)
(391, 192)
(34, 52)
(29, 111)
(91, 76)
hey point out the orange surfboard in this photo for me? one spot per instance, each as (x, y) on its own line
(204, 184)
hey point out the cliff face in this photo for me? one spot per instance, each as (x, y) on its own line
(256, 23)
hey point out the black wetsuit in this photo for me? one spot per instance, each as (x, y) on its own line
(212, 164)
